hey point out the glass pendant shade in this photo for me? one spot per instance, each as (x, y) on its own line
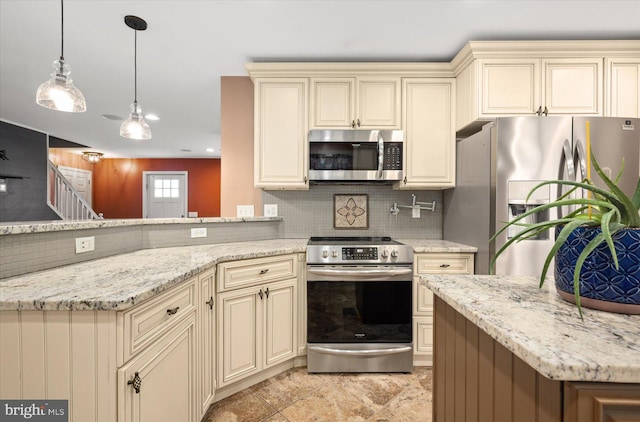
(59, 93)
(135, 127)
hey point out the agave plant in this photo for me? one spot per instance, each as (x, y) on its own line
(610, 210)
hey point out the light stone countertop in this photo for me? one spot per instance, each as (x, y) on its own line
(543, 330)
(434, 245)
(25, 227)
(121, 281)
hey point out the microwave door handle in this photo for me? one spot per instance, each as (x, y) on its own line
(380, 157)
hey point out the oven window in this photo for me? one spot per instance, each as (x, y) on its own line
(361, 312)
(343, 156)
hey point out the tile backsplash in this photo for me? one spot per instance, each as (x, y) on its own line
(310, 213)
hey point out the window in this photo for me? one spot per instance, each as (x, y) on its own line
(166, 188)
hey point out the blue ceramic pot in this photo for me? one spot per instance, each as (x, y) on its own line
(599, 279)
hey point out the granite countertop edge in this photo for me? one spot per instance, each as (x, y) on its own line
(56, 226)
(122, 281)
(543, 330)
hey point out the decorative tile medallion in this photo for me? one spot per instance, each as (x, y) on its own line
(351, 211)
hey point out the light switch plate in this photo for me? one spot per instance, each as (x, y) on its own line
(244, 210)
(198, 232)
(270, 210)
(85, 244)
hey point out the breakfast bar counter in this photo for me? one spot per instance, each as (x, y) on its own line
(508, 350)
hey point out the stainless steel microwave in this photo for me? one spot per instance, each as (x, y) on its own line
(355, 155)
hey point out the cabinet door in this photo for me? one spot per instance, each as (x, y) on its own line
(573, 86)
(239, 335)
(510, 86)
(280, 138)
(206, 341)
(428, 123)
(279, 322)
(423, 340)
(332, 103)
(623, 87)
(378, 104)
(167, 375)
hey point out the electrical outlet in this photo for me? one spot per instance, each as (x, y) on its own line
(244, 210)
(415, 211)
(85, 244)
(199, 232)
(270, 210)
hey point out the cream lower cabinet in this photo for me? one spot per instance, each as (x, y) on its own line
(257, 329)
(429, 127)
(206, 341)
(256, 315)
(357, 102)
(158, 380)
(280, 138)
(159, 384)
(431, 263)
(622, 87)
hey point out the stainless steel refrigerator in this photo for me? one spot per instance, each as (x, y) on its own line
(498, 166)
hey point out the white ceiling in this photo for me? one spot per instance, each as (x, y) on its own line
(189, 45)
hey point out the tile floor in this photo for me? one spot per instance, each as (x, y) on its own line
(296, 396)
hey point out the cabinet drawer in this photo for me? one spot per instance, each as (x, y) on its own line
(146, 322)
(450, 263)
(251, 272)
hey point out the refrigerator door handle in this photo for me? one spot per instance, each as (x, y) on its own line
(580, 159)
(566, 163)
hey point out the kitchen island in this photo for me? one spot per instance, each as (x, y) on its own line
(509, 351)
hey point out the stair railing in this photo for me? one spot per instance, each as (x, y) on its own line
(65, 200)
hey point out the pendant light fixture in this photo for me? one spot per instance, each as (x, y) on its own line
(135, 127)
(59, 93)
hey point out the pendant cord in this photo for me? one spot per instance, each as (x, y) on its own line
(62, 30)
(135, 66)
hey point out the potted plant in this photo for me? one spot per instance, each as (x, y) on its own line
(597, 246)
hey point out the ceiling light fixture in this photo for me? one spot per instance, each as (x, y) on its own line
(59, 93)
(92, 157)
(135, 127)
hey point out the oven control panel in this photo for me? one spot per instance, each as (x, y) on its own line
(360, 253)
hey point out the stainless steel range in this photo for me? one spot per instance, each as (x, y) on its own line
(359, 305)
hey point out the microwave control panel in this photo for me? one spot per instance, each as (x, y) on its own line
(393, 156)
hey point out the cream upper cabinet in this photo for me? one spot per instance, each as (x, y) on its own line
(573, 86)
(490, 88)
(510, 86)
(356, 102)
(280, 138)
(429, 130)
(622, 87)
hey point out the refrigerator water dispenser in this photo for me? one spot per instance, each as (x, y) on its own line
(519, 204)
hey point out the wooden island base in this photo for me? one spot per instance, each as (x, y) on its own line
(478, 379)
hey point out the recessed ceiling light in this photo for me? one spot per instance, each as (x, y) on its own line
(151, 116)
(210, 150)
(112, 117)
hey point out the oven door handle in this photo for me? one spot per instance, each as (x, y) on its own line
(359, 272)
(372, 352)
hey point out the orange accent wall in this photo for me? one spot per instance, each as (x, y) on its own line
(117, 184)
(63, 157)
